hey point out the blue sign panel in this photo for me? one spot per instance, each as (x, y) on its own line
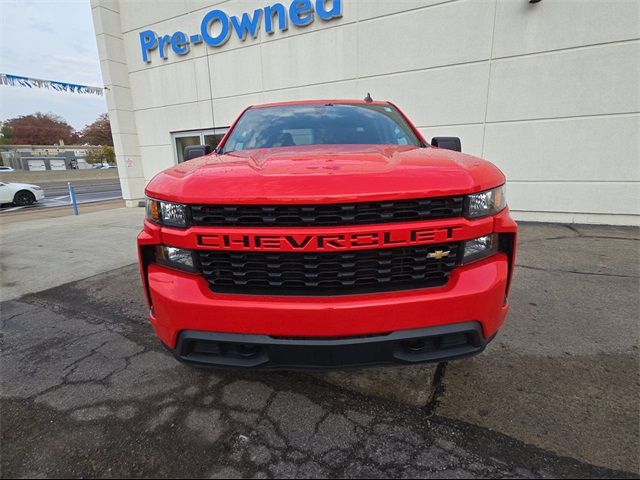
(300, 13)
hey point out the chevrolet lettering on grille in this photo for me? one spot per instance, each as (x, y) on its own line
(328, 242)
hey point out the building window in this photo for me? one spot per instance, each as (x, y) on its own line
(196, 137)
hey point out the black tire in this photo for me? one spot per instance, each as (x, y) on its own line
(24, 198)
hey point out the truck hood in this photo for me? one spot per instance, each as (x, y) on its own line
(324, 174)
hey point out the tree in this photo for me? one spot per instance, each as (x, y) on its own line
(104, 154)
(5, 134)
(98, 132)
(40, 129)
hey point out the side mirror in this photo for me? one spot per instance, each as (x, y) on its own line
(196, 151)
(449, 143)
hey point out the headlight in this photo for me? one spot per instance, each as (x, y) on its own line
(486, 203)
(36, 188)
(165, 213)
(479, 248)
(175, 257)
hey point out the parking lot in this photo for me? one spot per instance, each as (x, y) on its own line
(88, 391)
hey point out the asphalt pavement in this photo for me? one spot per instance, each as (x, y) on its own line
(57, 194)
(86, 389)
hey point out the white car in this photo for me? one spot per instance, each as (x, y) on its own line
(21, 194)
(4, 169)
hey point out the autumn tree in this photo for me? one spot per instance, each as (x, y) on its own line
(6, 134)
(98, 132)
(40, 129)
(104, 154)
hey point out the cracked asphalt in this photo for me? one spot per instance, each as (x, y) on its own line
(87, 391)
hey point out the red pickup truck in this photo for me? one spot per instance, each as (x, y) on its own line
(327, 234)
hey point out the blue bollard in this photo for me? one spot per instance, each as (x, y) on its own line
(74, 201)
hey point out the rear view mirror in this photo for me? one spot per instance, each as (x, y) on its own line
(196, 151)
(449, 143)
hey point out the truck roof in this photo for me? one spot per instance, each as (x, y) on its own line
(320, 102)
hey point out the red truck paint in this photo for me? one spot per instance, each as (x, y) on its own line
(322, 175)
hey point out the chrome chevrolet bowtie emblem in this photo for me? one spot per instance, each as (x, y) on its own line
(439, 254)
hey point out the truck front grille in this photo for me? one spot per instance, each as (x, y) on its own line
(317, 274)
(326, 214)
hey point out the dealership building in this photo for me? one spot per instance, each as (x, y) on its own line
(548, 91)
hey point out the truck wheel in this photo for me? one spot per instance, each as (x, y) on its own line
(24, 198)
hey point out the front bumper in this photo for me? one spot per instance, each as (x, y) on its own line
(433, 344)
(183, 307)
(182, 301)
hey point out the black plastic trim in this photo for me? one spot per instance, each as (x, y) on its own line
(442, 343)
(327, 214)
(506, 244)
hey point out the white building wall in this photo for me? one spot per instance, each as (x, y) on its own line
(115, 74)
(550, 92)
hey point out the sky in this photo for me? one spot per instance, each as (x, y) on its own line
(50, 40)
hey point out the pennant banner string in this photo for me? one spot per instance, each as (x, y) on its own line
(17, 81)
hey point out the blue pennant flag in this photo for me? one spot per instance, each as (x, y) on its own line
(17, 81)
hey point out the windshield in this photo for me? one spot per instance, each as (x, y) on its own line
(331, 124)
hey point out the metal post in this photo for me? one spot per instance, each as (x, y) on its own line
(72, 195)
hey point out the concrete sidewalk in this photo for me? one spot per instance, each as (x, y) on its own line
(29, 214)
(45, 253)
